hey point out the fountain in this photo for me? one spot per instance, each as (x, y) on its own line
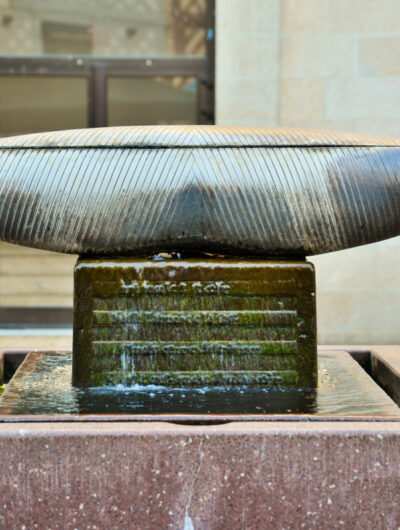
(194, 301)
(269, 195)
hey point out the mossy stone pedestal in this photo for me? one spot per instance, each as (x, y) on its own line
(189, 323)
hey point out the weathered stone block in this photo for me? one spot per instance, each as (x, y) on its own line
(251, 17)
(250, 56)
(378, 56)
(302, 16)
(317, 56)
(194, 322)
(358, 98)
(302, 100)
(362, 16)
(235, 91)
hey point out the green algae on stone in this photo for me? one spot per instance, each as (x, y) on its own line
(199, 378)
(168, 348)
(183, 363)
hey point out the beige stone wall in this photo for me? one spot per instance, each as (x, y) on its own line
(31, 278)
(322, 64)
(314, 63)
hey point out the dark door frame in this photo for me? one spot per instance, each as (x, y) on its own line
(97, 70)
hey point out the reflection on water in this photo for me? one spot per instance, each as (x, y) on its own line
(153, 399)
(43, 386)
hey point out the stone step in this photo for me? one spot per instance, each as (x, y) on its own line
(199, 378)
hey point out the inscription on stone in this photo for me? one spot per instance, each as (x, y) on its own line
(197, 348)
(250, 326)
(167, 287)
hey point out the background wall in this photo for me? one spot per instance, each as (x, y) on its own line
(322, 64)
(35, 278)
(308, 63)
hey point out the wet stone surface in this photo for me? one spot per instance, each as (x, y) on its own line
(194, 323)
(42, 385)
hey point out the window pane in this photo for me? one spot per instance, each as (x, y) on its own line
(152, 101)
(131, 28)
(33, 104)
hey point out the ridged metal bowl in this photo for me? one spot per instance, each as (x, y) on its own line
(135, 190)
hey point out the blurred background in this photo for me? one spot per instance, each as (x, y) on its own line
(331, 64)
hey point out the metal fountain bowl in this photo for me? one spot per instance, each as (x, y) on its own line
(243, 191)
